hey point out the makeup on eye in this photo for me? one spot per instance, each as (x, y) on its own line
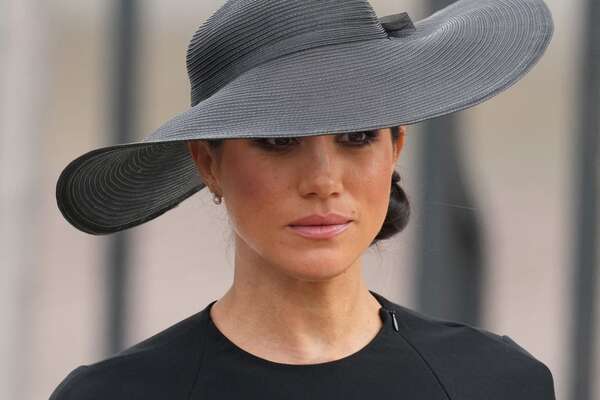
(368, 137)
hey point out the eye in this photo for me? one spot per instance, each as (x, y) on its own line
(276, 143)
(362, 138)
(355, 139)
(280, 141)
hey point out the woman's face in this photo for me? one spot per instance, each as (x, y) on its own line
(267, 184)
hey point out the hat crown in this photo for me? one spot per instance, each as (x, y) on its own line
(244, 33)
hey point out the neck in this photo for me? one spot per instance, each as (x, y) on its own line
(296, 321)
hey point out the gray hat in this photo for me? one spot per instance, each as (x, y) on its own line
(282, 68)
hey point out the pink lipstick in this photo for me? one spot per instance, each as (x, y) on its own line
(321, 226)
(320, 231)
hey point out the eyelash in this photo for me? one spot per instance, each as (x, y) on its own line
(370, 137)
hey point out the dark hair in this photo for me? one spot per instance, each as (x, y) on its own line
(398, 212)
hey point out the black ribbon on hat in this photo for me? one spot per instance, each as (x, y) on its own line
(397, 24)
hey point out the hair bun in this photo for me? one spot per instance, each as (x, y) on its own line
(398, 212)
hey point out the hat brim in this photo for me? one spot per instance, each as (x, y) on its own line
(456, 58)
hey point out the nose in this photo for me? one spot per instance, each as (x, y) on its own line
(322, 172)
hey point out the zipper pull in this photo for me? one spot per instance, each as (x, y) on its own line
(394, 320)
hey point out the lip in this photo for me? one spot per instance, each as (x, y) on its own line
(320, 219)
(317, 226)
(320, 231)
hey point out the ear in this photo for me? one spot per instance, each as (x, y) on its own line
(399, 143)
(206, 163)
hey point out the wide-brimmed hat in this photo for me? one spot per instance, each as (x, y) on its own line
(282, 68)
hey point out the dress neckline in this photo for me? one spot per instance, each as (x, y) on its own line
(389, 326)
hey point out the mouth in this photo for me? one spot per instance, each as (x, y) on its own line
(320, 231)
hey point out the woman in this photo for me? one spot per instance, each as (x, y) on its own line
(299, 114)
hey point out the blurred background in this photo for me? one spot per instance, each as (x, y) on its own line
(503, 233)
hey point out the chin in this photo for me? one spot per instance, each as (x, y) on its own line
(318, 267)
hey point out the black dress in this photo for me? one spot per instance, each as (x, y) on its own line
(412, 357)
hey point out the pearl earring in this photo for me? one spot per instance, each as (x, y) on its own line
(217, 199)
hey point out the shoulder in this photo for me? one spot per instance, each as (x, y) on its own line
(161, 366)
(472, 362)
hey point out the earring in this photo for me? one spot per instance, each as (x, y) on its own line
(217, 199)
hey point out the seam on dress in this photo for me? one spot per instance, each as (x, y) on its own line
(437, 378)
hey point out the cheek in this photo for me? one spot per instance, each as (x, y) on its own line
(254, 191)
(372, 191)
